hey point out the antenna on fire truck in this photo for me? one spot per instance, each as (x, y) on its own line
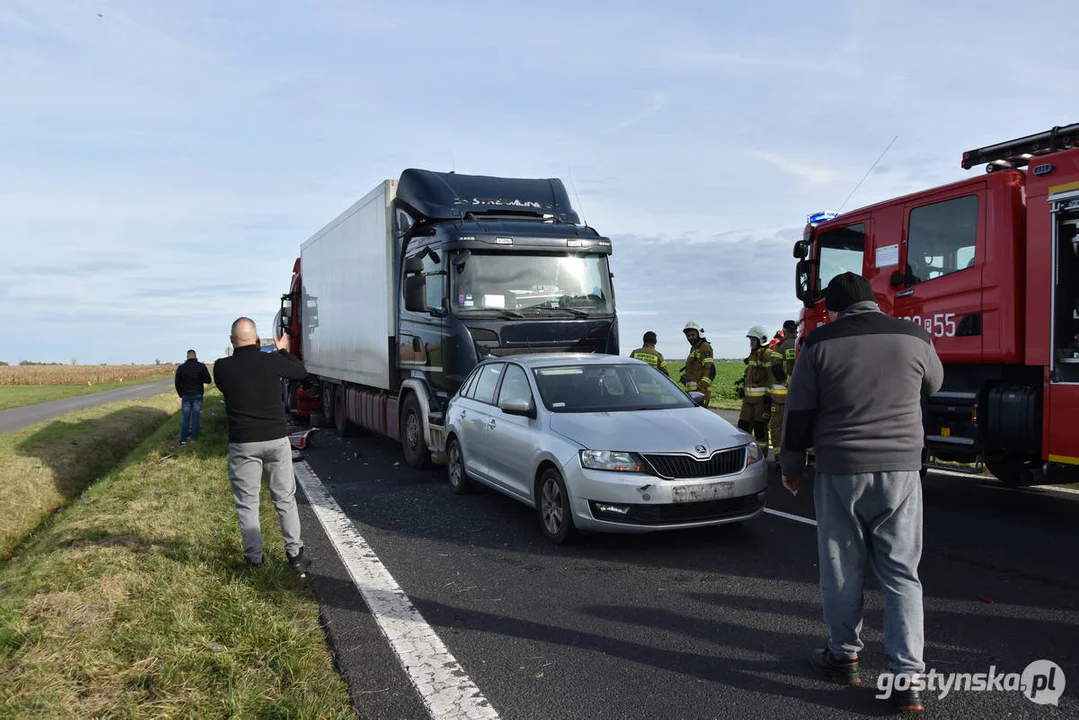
(866, 175)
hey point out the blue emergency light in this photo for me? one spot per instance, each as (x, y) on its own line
(820, 217)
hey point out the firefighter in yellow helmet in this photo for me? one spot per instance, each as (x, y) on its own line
(763, 371)
(785, 353)
(700, 369)
(648, 353)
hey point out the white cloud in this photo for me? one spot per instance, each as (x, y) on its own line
(163, 162)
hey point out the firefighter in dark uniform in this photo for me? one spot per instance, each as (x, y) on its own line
(763, 371)
(786, 353)
(649, 354)
(700, 369)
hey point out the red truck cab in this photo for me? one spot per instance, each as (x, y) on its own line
(989, 266)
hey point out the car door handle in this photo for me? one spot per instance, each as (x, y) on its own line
(491, 424)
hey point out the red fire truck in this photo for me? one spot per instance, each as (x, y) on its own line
(990, 266)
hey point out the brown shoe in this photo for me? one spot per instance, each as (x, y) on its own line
(842, 671)
(906, 701)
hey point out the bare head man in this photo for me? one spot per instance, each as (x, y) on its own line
(244, 333)
(191, 355)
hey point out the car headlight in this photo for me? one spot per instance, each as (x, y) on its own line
(611, 460)
(753, 453)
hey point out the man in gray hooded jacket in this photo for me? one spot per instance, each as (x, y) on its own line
(855, 398)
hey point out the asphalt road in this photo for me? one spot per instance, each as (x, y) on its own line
(18, 418)
(697, 624)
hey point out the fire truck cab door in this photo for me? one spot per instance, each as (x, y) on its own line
(939, 278)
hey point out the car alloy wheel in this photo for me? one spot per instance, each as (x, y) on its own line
(556, 519)
(455, 468)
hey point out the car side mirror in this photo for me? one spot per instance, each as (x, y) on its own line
(416, 293)
(698, 398)
(518, 407)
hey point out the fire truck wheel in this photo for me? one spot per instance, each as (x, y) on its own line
(1008, 469)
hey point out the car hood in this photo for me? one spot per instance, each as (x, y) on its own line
(650, 431)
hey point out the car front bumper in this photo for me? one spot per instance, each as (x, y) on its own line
(605, 501)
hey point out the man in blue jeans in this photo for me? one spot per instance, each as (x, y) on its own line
(855, 398)
(190, 379)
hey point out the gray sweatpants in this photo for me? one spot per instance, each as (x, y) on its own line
(249, 463)
(873, 518)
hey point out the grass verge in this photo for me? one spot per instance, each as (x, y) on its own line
(723, 395)
(13, 396)
(135, 603)
(45, 466)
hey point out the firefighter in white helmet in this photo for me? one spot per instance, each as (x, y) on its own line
(764, 368)
(700, 369)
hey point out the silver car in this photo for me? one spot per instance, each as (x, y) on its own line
(600, 443)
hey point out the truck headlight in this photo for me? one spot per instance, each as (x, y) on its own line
(753, 453)
(611, 460)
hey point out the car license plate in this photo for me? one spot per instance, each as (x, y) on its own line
(703, 493)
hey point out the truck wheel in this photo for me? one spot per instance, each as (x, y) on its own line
(341, 423)
(412, 441)
(1009, 469)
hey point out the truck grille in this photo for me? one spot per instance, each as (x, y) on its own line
(677, 467)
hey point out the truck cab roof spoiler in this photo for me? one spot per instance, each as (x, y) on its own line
(1017, 153)
(449, 196)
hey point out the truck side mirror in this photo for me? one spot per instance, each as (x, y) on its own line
(801, 250)
(413, 265)
(416, 293)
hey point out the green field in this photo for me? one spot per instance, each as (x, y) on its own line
(13, 396)
(134, 601)
(723, 395)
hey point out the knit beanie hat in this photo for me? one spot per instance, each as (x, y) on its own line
(845, 290)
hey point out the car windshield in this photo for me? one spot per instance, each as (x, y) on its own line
(532, 284)
(607, 388)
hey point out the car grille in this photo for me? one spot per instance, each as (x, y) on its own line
(723, 462)
(683, 512)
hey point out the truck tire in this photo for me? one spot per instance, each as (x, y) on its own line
(344, 426)
(412, 441)
(1009, 469)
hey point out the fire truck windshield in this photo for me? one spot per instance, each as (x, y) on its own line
(839, 251)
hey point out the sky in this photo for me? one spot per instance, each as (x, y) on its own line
(162, 163)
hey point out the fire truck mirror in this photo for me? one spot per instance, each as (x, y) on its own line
(801, 250)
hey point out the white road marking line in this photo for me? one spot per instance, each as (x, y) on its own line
(797, 518)
(441, 682)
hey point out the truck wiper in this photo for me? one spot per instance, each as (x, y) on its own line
(573, 311)
(504, 314)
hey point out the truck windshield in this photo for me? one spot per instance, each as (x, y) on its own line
(841, 251)
(532, 284)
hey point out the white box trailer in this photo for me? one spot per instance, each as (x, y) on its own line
(349, 293)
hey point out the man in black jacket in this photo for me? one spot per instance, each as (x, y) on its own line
(855, 397)
(190, 377)
(259, 446)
